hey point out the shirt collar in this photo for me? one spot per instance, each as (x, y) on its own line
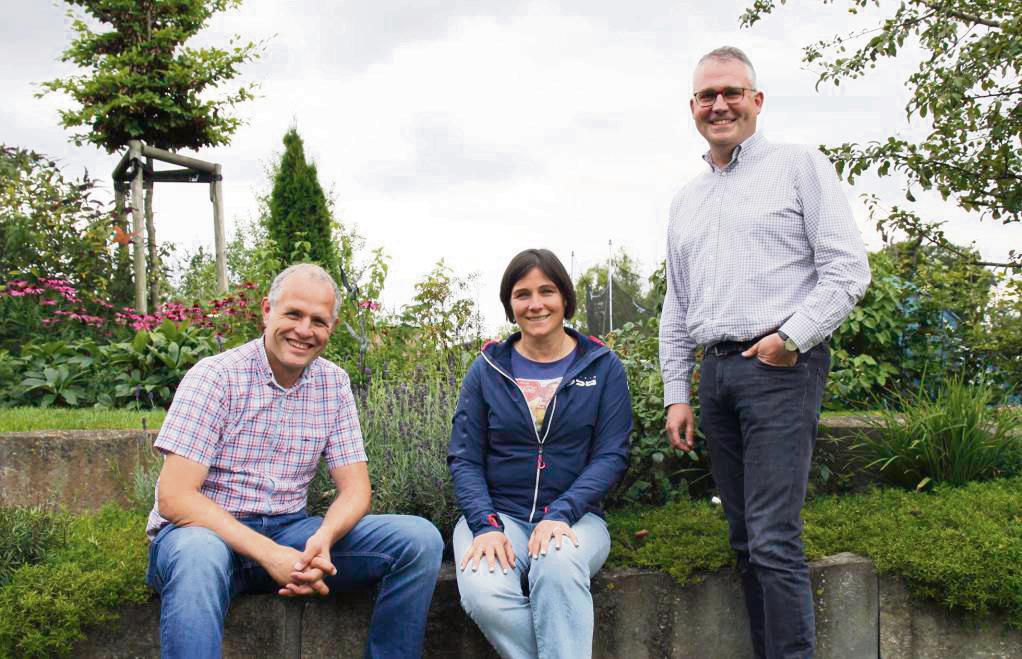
(741, 150)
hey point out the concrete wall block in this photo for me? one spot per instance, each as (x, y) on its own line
(846, 603)
(913, 629)
(710, 619)
(134, 635)
(633, 614)
(84, 469)
(263, 626)
(256, 626)
(336, 626)
(80, 469)
(638, 615)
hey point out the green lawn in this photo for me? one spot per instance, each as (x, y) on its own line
(18, 419)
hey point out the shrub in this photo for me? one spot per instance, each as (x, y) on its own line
(954, 437)
(147, 369)
(51, 226)
(26, 536)
(685, 539)
(45, 607)
(959, 546)
(657, 473)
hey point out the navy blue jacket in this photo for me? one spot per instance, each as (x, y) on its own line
(498, 460)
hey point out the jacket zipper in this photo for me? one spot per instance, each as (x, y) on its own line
(540, 465)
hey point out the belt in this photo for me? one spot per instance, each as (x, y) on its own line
(725, 348)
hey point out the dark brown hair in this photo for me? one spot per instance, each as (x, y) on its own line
(551, 266)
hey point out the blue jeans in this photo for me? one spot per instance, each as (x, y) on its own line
(197, 574)
(555, 618)
(760, 425)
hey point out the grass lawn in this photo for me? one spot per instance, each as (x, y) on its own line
(18, 419)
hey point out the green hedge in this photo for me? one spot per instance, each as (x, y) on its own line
(959, 546)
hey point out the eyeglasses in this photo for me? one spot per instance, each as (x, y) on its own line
(707, 97)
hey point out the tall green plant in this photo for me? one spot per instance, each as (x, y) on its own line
(955, 437)
(301, 222)
(441, 330)
(143, 82)
(27, 535)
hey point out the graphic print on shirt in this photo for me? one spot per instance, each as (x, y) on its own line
(538, 393)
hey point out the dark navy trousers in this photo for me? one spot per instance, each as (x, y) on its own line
(760, 425)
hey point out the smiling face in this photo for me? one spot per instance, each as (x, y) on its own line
(538, 305)
(298, 326)
(725, 125)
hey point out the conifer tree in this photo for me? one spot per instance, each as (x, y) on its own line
(300, 221)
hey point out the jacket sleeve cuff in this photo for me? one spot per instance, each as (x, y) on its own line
(489, 523)
(559, 516)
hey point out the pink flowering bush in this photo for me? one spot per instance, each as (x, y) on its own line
(62, 346)
(36, 307)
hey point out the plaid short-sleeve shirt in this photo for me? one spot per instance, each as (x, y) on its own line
(261, 442)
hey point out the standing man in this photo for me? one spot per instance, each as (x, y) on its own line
(764, 261)
(242, 442)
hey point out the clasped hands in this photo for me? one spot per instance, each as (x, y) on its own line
(301, 572)
(496, 547)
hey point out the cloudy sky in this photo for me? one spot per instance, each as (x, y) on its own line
(469, 130)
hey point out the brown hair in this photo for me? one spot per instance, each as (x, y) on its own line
(548, 263)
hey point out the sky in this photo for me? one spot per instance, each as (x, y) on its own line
(470, 130)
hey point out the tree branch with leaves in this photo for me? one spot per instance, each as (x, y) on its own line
(967, 85)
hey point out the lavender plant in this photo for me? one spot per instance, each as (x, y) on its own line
(406, 426)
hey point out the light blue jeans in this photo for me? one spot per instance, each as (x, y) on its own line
(554, 617)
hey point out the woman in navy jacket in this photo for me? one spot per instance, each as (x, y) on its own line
(540, 436)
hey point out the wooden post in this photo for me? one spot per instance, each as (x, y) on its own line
(137, 226)
(217, 194)
(150, 229)
(118, 203)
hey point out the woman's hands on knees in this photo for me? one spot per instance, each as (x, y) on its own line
(546, 530)
(495, 547)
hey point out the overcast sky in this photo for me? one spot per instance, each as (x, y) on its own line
(469, 130)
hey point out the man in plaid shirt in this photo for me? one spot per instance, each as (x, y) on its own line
(764, 261)
(242, 441)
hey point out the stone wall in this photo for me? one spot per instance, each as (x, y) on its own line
(83, 469)
(639, 615)
(79, 469)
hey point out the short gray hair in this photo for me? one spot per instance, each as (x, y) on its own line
(310, 270)
(730, 53)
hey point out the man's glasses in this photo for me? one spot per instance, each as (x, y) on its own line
(707, 97)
